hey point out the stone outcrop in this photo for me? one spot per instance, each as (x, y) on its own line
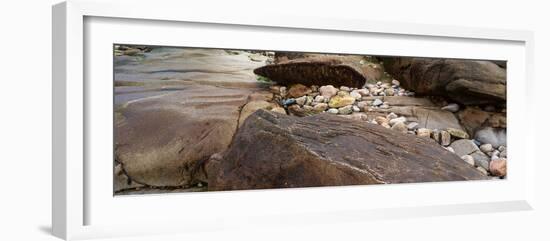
(162, 140)
(465, 81)
(321, 70)
(272, 150)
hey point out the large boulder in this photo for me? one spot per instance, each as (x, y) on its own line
(272, 150)
(163, 140)
(465, 81)
(320, 70)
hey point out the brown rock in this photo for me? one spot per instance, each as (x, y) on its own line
(298, 90)
(498, 167)
(162, 141)
(472, 118)
(318, 70)
(465, 81)
(253, 106)
(293, 153)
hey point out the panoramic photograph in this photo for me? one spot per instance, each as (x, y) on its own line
(192, 119)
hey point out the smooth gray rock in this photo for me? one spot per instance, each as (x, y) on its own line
(464, 147)
(493, 136)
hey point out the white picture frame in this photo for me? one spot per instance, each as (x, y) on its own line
(75, 201)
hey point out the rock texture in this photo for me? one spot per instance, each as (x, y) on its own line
(272, 150)
(465, 81)
(162, 140)
(319, 70)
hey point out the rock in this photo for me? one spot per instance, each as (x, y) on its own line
(377, 102)
(472, 119)
(362, 105)
(467, 82)
(355, 109)
(319, 70)
(363, 92)
(328, 91)
(486, 148)
(320, 107)
(391, 116)
(279, 110)
(283, 91)
(290, 101)
(301, 100)
(395, 82)
(481, 159)
(386, 125)
(297, 110)
(400, 127)
(436, 135)
(464, 147)
(384, 106)
(482, 170)
(332, 111)
(293, 153)
(503, 154)
(493, 136)
(498, 167)
(397, 120)
(252, 106)
(122, 182)
(450, 149)
(319, 99)
(355, 95)
(260, 95)
(497, 120)
(380, 120)
(345, 110)
(298, 90)
(162, 141)
(458, 133)
(451, 107)
(468, 159)
(345, 88)
(389, 92)
(445, 138)
(342, 93)
(340, 101)
(501, 148)
(423, 132)
(412, 126)
(275, 89)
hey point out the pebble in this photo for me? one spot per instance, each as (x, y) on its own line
(495, 155)
(346, 110)
(399, 126)
(389, 92)
(380, 120)
(320, 107)
(341, 101)
(453, 107)
(301, 100)
(501, 148)
(458, 133)
(412, 125)
(481, 159)
(468, 159)
(328, 91)
(386, 125)
(342, 93)
(445, 138)
(332, 111)
(282, 91)
(498, 167)
(436, 135)
(424, 132)
(279, 110)
(395, 82)
(450, 149)
(486, 148)
(298, 90)
(355, 108)
(289, 101)
(345, 88)
(391, 116)
(401, 119)
(384, 106)
(377, 102)
(319, 99)
(355, 95)
(363, 92)
(362, 105)
(482, 170)
(503, 154)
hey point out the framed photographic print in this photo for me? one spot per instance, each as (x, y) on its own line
(280, 119)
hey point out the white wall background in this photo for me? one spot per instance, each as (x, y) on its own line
(25, 119)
